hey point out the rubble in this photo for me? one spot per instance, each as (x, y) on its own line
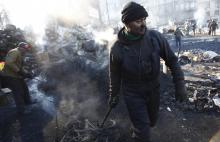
(74, 73)
(198, 56)
(90, 58)
(216, 100)
(9, 38)
(209, 55)
(86, 131)
(184, 60)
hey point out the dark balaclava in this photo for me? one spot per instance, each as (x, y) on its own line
(133, 11)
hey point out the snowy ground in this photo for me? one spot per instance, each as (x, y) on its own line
(201, 42)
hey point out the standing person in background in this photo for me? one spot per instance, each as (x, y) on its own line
(135, 68)
(187, 28)
(194, 29)
(214, 26)
(209, 26)
(178, 35)
(14, 75)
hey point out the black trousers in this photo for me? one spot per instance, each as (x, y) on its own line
(143, 108)
(19, 89)
(178, 42)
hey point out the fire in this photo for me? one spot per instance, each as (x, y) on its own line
(2, 65)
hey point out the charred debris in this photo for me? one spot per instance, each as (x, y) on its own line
(72, 68)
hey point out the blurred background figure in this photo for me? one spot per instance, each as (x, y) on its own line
(213, 26)
(14, 75)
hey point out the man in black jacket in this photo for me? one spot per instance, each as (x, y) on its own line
(135, 67)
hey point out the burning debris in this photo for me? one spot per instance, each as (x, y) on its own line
(75, 60)
(76, 75)
(10, 36)
(73, 83)
(86, 131)
(71, 80)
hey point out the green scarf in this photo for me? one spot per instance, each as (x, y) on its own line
(131, 36)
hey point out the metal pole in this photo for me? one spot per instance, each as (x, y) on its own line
(106, 116)
(107, 11)
(99, 12)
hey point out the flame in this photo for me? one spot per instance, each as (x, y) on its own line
(2, 64)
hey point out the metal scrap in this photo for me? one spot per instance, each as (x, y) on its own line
(86, 131)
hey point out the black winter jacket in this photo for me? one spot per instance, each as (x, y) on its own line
(138, 62)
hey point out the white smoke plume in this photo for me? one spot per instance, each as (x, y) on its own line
(200, 16)
(35, 14)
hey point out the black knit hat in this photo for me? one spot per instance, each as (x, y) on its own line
(133, 11)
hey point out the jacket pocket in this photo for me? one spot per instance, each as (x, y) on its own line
(146, 68)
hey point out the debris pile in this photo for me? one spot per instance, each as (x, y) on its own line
(203, 97)
(86, 131)
(76, 76)
(198, 55)
(201, 71)
(75, 51)
(9, 38)
(76, 59)
(202, 77)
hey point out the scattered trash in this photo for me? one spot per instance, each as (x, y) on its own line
(216, 100)
(184, 60)
(209, 55)
(168, 108)
(198, 56)
(86, 131)
(191, 100)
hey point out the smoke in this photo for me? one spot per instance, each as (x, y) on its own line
(77, 94)
(35, 14)
(79, 98)
(170, 23)
(106, 35)
(200, 16)
(46, 102)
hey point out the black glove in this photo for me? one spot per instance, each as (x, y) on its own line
(113, 101)
(180, 91)
(25, 75)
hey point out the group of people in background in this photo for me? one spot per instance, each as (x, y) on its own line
(212, 27)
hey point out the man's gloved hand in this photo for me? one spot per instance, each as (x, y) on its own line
(180, 91)
(25, 75)
(113, 101)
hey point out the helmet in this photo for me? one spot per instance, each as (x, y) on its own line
(24, 45)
